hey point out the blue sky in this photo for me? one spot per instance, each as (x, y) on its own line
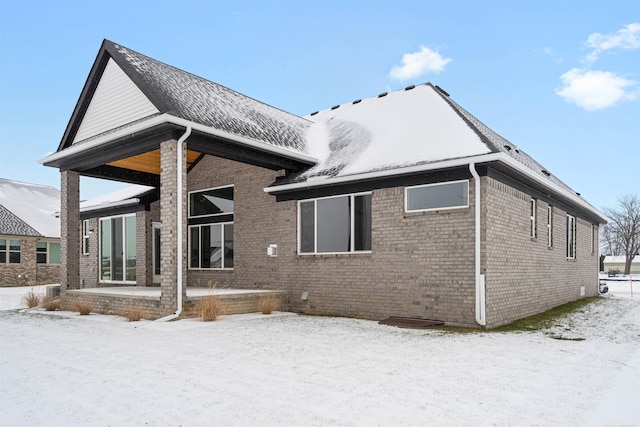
(560, 79)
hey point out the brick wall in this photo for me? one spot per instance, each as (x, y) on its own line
(69, 230)
(89, 263)
(523, 275)
(28, 272)
(420, 265)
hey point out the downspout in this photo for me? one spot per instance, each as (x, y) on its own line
(480, 286)
(179, 168)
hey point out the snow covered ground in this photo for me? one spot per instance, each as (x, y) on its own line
(63, 369)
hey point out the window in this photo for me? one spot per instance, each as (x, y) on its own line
(118, 249)
(47, 252)
(211, 246)
(594, 238)
(550, 226)
(85, 237)
(449, 195)
(339, 224)
(532, 219)
(11, 253)
(214, 201)
(571, 236)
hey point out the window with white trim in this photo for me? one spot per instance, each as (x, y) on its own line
(10, 250)
(211, 246)
(532, 219)
(85, 236)
(336, 224)
(444, 195)
(118, 249)
(571, 236)
(211, 228)
(47, 252)
(550, 226)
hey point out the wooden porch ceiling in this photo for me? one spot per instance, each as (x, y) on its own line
(149, 162)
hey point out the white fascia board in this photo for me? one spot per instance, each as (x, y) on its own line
(167, 118)
(484, 158)
(121, 203)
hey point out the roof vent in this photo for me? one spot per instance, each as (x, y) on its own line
(409, 87)
(335, 106)
(314, 113)
(383, 94)
(357, 101)
(444, 92)
(508, 148)
(546, 172)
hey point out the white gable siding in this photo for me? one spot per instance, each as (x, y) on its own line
(116, 102)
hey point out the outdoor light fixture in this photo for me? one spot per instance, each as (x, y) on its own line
(272, 250)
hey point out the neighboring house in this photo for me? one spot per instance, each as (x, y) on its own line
(29, 234)
(403, 204)
(615, 264)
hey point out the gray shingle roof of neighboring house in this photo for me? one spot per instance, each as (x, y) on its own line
(29, 209)
(12, 225)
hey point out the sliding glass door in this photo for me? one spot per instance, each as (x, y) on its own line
(118, 249)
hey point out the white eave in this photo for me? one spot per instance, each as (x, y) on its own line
(169, 119)
(485, 158)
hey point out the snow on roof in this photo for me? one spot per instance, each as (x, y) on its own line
(124, 196)
(619, 259)
(35, 205)
(396, 129)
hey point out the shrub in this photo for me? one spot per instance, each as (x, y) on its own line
(51, 304)
(32, 298)
(83, 308)
(133, 314)
(209, 308)
(267, 304)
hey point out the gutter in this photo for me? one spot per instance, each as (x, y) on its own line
(180, 168)
(169, 119)
(483, 158)
(481, 318)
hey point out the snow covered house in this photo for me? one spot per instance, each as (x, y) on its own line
(402, 204)
(29, 233)
(614, 264)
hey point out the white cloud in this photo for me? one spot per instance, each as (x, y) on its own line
(595, 90)
(627, 38)
(418, 63)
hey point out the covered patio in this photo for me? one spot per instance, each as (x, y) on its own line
(143, 122)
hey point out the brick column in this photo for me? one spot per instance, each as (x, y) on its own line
(144, 244)
(69, 230)
(170, 232)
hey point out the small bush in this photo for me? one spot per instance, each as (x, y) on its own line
(267, 304)
(133, 314)
(209, 308)
(51, 304)
(83, 308)
(32, 298)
